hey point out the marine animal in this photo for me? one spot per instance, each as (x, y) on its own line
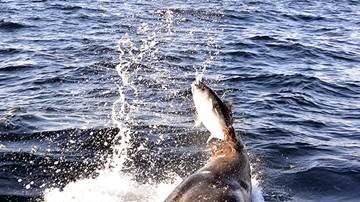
(226, 176)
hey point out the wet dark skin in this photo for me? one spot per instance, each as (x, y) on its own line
(226, 177)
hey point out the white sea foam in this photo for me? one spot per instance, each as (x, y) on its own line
(256, 194)
(110, 186)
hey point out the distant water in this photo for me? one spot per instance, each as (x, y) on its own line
(95, 101)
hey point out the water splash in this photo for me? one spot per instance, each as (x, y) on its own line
(124, 108)
(256, 194)
(213, 50)
(111, 186)
(139, 69)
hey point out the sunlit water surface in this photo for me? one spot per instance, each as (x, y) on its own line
(95, 100)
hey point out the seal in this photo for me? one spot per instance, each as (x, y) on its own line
(226, 176)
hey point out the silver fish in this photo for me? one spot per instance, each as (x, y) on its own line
(211, 111)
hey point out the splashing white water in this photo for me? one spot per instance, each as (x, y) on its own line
(256, 194)
(113, 186)
(112, 183)
(110, 186)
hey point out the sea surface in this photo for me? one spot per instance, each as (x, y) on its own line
(95, 100)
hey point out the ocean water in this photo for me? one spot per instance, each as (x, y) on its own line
(95, 100)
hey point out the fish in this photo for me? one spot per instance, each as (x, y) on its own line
(211, 111)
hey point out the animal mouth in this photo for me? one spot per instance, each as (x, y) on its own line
(198, 84)
(194, 85)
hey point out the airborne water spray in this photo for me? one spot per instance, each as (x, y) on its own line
(145, 74)
(112, 183)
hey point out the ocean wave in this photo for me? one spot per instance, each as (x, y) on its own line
(14, 67)
(8, 25)
(300, 82)
(239, 53)
(334, 183)
(289, 68)
(9, 51)
(263, 38)
(304, 17)
(203, 14)
(301, 50)
(79, 153)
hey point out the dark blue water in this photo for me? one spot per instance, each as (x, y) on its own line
(75, 74)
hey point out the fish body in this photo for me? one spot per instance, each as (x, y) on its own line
(211, 111)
